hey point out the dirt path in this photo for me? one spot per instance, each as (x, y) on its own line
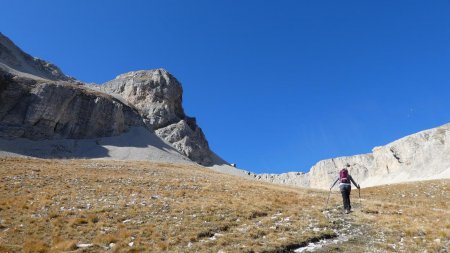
(351, 234)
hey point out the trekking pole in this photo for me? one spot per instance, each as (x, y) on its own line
(326, 205)
(359, 194)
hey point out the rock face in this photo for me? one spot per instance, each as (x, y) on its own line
(189, 139)
(44, 110)
(37, 101)
(157, 95)
(424, 155)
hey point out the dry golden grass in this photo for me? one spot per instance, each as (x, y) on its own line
(55, 205)
(151, 206)
(410, 217)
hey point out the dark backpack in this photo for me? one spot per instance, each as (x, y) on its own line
(343, 176)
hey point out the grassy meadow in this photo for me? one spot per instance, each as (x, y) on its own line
(123, 206)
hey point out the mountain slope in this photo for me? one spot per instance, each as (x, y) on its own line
(157, 96)
(420, 156)
(121, 206)
(38, 102)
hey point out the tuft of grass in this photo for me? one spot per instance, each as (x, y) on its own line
(67, 245)
(93, 218)
(33, 246)
(78, 222)
(105, 239)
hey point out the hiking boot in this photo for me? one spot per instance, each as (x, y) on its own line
(347, 211)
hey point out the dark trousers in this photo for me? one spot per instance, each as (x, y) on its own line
(345, 191)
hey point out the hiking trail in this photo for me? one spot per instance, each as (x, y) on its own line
(346, 228)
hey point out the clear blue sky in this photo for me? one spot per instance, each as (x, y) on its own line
(275, 85)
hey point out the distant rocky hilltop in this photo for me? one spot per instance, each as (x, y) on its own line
(420, 156)
(39, 102)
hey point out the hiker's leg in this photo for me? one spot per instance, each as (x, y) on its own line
(349, 202)
(344, 196)
(347, 199)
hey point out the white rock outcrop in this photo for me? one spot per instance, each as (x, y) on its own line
(157, 96)
(421, 156)
(155, 93)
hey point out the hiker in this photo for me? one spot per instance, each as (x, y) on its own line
(345, 187)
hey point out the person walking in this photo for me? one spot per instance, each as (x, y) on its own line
(344, 185)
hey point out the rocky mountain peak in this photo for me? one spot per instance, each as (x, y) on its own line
(155, 74)
(157, 95)
(37, 101)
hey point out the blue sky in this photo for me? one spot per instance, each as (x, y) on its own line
(275, 85)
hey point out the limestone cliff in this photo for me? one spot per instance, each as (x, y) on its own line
(420, 156)
(157, 96)
(37, 102)
(57, 109)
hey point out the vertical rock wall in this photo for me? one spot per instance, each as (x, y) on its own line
(157, 95)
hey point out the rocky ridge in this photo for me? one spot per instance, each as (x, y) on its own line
(420, 156)
(39, 102)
